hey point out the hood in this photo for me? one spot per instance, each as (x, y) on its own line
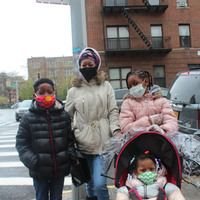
(156, 91)
(83, 51)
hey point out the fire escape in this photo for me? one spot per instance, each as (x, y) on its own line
(142, 43)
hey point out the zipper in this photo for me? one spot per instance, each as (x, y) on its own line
(145, 191)
(83, 101)
(145, 99)
(51, 138)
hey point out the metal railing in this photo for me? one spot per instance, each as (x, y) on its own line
(136, 43)
(114, 3)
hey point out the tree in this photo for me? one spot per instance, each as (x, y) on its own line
(63, 88)
(3, 100)
(9, 92)
(26, 90)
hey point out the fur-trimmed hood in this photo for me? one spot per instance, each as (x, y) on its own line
(98, 79)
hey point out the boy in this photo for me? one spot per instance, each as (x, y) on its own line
(44, 141)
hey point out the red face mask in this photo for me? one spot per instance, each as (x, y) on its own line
(45, 101)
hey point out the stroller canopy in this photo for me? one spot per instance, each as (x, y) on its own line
(157, 144)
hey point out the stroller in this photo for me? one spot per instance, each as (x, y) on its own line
(156, 143)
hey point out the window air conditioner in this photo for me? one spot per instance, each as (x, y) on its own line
(182, 4)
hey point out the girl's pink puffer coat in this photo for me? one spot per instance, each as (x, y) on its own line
(135, 113)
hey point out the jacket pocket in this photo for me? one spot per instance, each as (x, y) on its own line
(89, 138)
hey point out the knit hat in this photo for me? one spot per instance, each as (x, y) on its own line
(92, 54)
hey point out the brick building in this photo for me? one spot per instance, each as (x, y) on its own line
(52, 67)
(161, 36)
(58, 69)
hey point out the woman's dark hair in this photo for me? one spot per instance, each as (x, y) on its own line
(142, 75)
(143, 156)
(41, 81)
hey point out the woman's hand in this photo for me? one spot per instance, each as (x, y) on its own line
(118, 133)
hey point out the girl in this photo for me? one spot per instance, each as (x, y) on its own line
(92, 102)
(145, 106)
(146, 180)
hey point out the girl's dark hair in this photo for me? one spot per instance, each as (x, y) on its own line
(41, 81)
(143, 156)
(142, 75)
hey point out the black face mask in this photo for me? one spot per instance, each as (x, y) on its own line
(89, 72)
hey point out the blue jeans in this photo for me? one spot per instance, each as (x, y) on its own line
(97, 186)
(42, 188)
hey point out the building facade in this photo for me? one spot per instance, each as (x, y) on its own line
(52, 67)
(160, 36)
(58, 69)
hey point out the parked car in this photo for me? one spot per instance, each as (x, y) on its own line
(24, 106)
(184, 97)
(119, 94)
(16, 105)
(164, 91)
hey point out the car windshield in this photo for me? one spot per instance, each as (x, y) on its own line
(186, 90)
(25, 104)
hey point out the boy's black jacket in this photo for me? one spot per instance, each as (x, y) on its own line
(44, 141)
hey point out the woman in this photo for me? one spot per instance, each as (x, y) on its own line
(91, 101)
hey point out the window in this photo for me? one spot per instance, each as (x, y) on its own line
(193, 66)
(159, 75)
(56, 72)
(154, 2)
(184, 35)
(182, 3)
(53, 72)
(35, 64)
(52, 63)
(156, 36)
(68, 62)
(68, 71)
(50, 73)
(118, 38)
(116, 2)
(118, 77)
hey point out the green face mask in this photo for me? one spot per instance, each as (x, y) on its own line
(148, 177)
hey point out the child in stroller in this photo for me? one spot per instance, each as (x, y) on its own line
(148, 167)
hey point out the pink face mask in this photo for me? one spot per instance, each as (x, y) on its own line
(45, 101)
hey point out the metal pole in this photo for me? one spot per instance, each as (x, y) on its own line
(79, 41)
(78, 193)
(79, 30)
(17, 93)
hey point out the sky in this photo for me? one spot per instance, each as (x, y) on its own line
(30, 29)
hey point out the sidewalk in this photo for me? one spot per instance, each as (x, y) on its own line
(189, 191)
(67, 195)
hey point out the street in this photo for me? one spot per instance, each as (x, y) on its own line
(15, 183)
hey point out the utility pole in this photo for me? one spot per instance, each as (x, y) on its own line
(17, 92)
(79, 29)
